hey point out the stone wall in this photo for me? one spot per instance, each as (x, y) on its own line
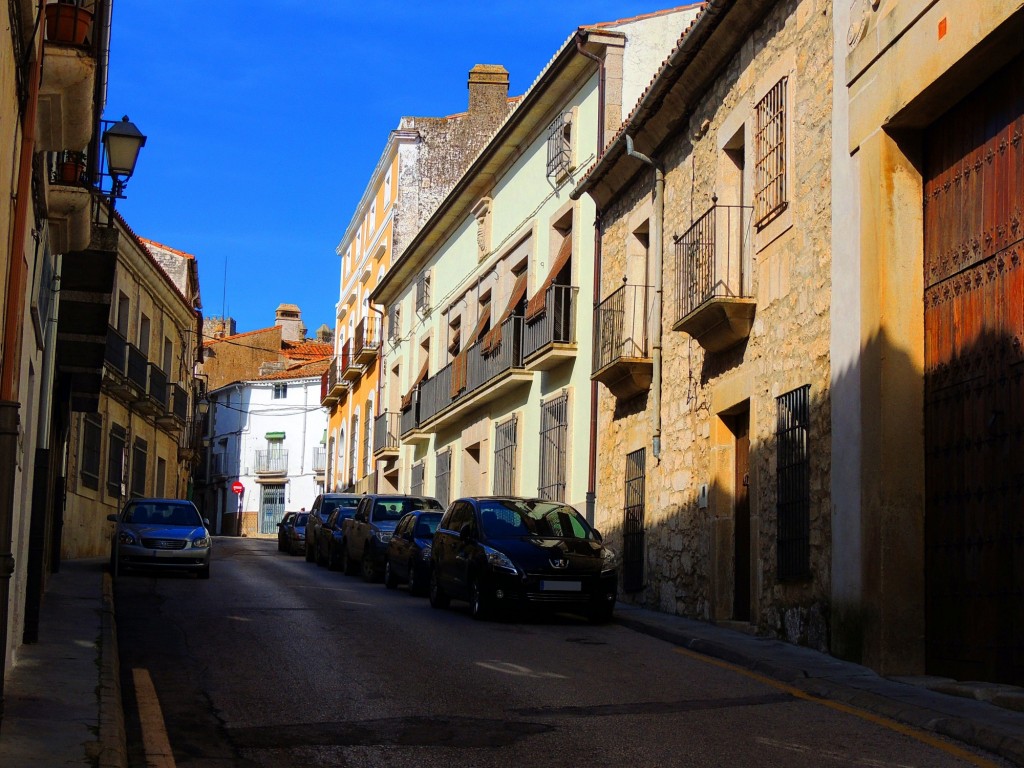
(229, 360)
(690, 565)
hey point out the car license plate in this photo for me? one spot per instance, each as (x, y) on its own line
(561, 586)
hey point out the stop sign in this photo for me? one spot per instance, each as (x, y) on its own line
(237, 487)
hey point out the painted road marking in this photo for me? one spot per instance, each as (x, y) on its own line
(151, 718)
(892, 725)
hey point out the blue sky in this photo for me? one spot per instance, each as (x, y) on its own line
(265, 119)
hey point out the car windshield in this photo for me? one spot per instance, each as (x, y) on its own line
(426, 525)
(330, 505)
(300, 520)
(394, 509)
(157, 513)
(509, 519)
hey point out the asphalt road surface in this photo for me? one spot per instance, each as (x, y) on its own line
(277, 662)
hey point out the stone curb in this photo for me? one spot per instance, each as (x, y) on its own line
(971, 732)
(113, 743)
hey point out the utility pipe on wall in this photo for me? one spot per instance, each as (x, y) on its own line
(656, 258)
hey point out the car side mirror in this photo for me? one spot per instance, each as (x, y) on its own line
(466, 532)
(112, 518)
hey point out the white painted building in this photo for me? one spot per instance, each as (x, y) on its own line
(268, 434)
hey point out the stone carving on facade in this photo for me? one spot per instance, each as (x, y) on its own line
(482, 214)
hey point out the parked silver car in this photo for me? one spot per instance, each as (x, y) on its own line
(160, 533)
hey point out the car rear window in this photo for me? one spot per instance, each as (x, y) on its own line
(426, 525)
(330, 505)
(301, 519)
(516, 519)
(394, 509)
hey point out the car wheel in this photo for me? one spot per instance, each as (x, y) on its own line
(601, 614)
(347, 564)
(309, 550)
(114, 566)
(479, 603)
(438, 597)
(414, 584)
(204, 572)
(390, 580)
(368, 568)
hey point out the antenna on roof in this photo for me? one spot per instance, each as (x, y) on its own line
(224, 297)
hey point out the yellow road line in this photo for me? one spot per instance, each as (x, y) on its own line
(151, 717)
(892, 725)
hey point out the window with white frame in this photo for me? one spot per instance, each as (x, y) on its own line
(280, 391)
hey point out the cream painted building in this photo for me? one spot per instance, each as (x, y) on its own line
(421, 162)
(486, 363)
(712, 329)
(142, 440)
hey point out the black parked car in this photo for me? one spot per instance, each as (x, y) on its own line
(291, 533)
(506, 551)
(329, 541)
(408, 555)
(323, 506)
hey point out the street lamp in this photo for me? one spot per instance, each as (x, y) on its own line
(121, 142)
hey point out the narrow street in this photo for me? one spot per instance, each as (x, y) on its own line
(276, 662)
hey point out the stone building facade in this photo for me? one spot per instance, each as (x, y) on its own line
(714, 410)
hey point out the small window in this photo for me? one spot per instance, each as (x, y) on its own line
(560, 146)
(770, 154)
(394, 323)
(115, 460)
(139, 455)
(423, 293)
(144, 334)
(280, 391)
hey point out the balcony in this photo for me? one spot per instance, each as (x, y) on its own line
(272, 462)
(332, 388)
(410, 418)
(713, 303)
(367, 340)
(155, 403)
(138, 370)
(350, 369)
(482, 373)
(320, 462)
(179, 403)
(622, 359)
(549, 337)
(386, 429)
(176, 408)
(68, 201)
(66, 91)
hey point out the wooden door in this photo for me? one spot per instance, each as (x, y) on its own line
(741, 519)
(974, 399)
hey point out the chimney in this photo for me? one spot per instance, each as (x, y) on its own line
(488, 90)
(289, 320)
(324, 334)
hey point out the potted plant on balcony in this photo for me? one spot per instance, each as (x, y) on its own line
(68, 21)
(70, 167)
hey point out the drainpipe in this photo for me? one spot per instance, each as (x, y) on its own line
(591, 502)
(656, 254)
(10, 372)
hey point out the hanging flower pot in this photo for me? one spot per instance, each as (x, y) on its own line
(67, 23)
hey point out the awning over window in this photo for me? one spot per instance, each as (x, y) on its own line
(407, 399)
(493, 337)
(536, 304)
(275, 435)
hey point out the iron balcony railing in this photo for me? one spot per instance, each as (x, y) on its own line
(367, 338)
(158, 385)
(350, 369)
(386, 430)
(710, 257)
(556, 324)
(138, 367)
(68, 168)
(179, 403)
(621, 324)
(273, 461)
(483, 363)
(116, 353)
(411, 415)
(320, 459)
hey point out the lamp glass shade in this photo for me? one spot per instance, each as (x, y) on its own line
(204, 407)
(122, 142)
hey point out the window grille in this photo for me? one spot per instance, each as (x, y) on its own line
(92, 435)
(423, 293)
(368, 440)
(633, 522)
(139, 451)
(505, 458)
(353, 450)
(770, 153)
(416, 488)
(554, 427)
(560, 146)
(793, 504)
(442, 478)
(116, 459)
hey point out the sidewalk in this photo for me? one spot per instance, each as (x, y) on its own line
(63, 698)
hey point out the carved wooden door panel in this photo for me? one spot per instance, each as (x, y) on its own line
(974, 390)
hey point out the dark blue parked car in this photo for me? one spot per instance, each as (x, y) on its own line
(408, 556)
